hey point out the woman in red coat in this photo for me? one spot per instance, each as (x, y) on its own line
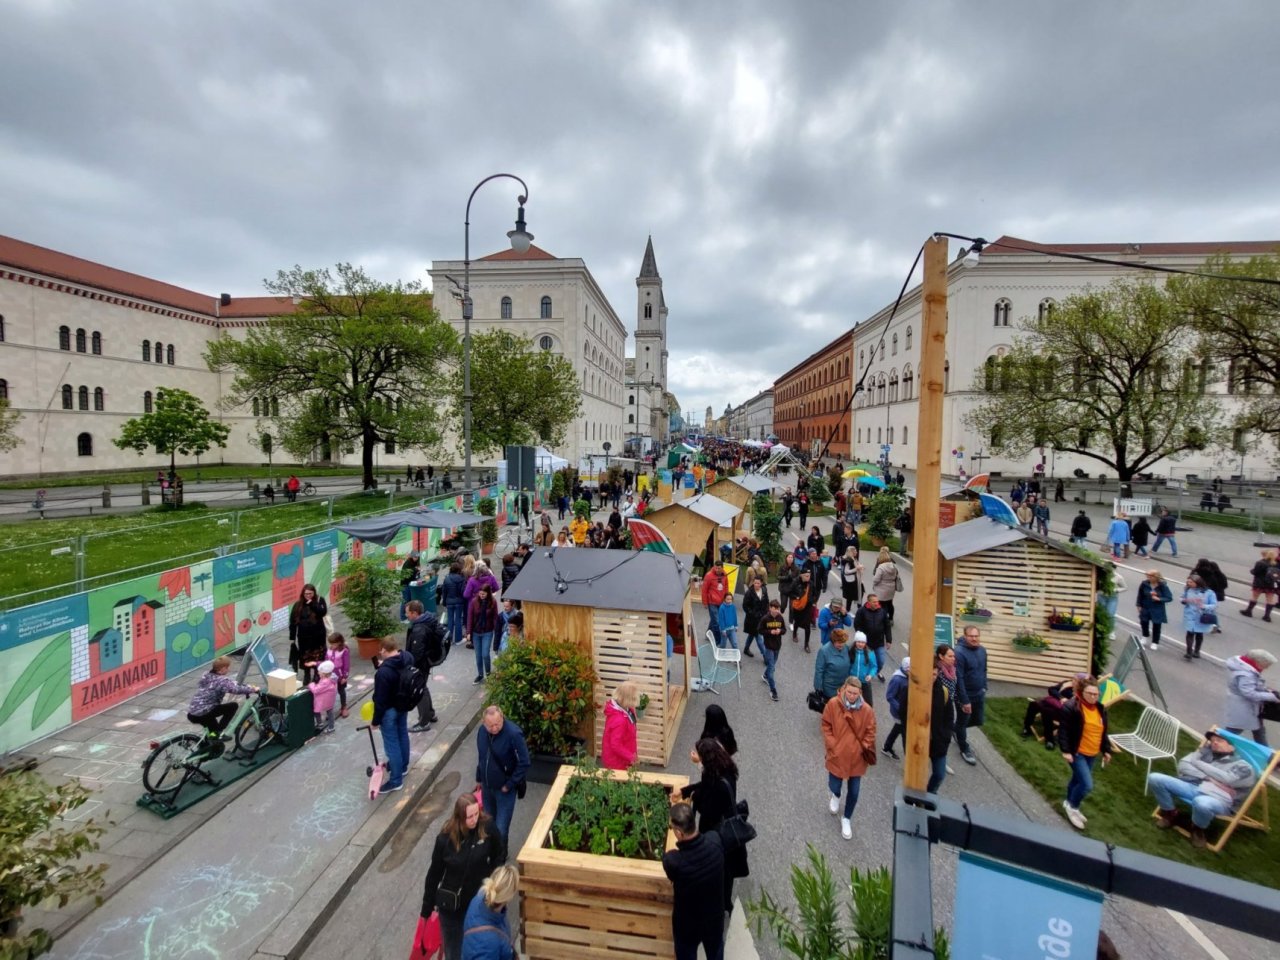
(618, 747)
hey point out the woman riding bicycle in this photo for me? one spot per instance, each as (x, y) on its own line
(206, 707)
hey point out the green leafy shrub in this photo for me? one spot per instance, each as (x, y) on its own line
(582, 508)
(883, 512)
(766, 528)
(557, 485)
(488, 507)
(611, 817)
(819, 492)
(544, 684)
(368, 594)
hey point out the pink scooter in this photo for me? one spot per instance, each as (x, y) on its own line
(377, 772)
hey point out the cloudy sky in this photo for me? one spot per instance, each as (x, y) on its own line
(787, 158)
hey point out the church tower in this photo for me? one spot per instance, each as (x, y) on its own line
(651, 323)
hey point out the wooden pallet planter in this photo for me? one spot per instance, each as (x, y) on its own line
(579, 906)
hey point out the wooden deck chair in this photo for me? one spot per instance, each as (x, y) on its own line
(1155, 737)
(1264, 761)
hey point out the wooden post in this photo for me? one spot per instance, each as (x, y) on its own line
(924, 581)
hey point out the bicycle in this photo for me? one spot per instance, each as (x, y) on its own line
(179, 758)
(308, 489)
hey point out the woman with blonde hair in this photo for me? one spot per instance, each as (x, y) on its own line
(486, 935)
(618, 748)
(466, 851)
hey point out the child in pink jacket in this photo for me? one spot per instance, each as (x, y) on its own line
(324, 692)
(340, 656)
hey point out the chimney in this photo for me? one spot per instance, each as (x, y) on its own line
(225, 300)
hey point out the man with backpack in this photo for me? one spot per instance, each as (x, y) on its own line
(391, 707)
(426, 643)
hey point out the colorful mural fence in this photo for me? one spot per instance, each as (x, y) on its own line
(64, 660)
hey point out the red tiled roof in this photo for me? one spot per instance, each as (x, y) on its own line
(257, 307)
(1196, 248)
(533, 253)
(63, 266)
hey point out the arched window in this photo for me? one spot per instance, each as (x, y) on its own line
(1, 328)
(146, 350)
(904, 436)
(1047, 306)
(84, 445)
(631, 398)
(506, 308)
(257, 407)
(881, 389)
(908, 338)
(84, 397)
(68, 397)
(168, 354)
(631, 418)
(4, 390)
(881, 351)
(95, 343)
(147, 407)
(989, 374)
(895, 345)
(99, 399)
(862, 359)
(159, 352)
(893, 388)
(64, 338)
(648, 310)
(546, 308)
(82, 341)
(275, 407)
(890, 439)
(1001, 312)
(389, 445)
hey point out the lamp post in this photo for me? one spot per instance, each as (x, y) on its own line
(520, 239)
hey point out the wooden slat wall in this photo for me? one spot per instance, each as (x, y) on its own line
(1044, 578)
(631, 645)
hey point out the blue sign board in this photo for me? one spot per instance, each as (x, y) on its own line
(43, 620)
(1052, 918)
(944, 630)
(242, 564)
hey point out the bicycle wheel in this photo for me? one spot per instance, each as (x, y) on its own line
(258, 729)
(165, 769)
(309, 489)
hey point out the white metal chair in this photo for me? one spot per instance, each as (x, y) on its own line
(728, 662)
(1155, 737)
(707, 670)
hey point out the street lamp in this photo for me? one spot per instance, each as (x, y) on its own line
(520, 239)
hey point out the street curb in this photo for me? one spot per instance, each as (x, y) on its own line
(343, 873)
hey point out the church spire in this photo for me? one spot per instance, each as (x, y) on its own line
(649, 266)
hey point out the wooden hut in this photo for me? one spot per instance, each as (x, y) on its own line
(740, 489)
(615, 604)
(1022, 579)
(693, 525)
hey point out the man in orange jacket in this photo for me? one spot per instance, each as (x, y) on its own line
(715, 589)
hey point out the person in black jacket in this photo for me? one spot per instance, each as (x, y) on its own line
(502, 762)
(410, 571)
(388, 714)
(511, 567)
(307, 633)
(425, 642)
(466, 851)
(696, 869)
(715, 799)
(942, 715)
(453, 596)
(1080, 528)
(755, 604)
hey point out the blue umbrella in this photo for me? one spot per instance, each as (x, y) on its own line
(871, 482)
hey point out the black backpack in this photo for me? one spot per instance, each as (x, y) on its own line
(412, 688)
(1273, 578)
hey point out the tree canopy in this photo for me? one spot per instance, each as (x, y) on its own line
(9, 426)
(1113, 375)
(178, 423)
(521, 395)
(1239, 327)
(359, 363)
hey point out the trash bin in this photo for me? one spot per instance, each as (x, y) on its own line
(1126, 491)
(424, 591)
(299, 718)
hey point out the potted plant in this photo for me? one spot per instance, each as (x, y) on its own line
(642, 706)
(582, 508)
(1029, 642)
(766, 530)
(39, 853)
(545, 685)
(488, 507)
(882, 513)
(1065, 621)
(369, 591)
(974, 611)
(607, 831)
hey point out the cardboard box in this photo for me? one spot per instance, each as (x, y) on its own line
(282, 683)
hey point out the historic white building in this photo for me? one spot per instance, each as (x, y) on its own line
(557, 303)
(984, 304)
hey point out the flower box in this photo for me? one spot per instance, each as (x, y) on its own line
(975, 617)
(1029, 643)
(1067, 627)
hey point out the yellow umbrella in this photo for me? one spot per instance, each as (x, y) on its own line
(855, 472)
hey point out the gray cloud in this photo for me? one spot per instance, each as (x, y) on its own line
(787, 159)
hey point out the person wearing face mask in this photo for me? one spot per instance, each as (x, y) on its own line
(849, 737)
(466, 851)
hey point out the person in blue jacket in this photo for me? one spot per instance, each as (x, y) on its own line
(895, 695)
(832, 664)
(833, 615)
(486, 935)
(862, 664)
(453, 596)
(728, 620)
(502, 762)
(1198, 602)
(1118, 535)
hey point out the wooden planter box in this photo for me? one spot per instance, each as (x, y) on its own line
(974, 617)
(1066, 627)
(578, 906)
(1023, 648)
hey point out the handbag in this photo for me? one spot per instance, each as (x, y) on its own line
(1270, 710)
(817, 702)
(1208, 618)
(428, 942)
(735, 833)
(450, 900)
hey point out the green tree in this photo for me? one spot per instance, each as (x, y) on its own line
(358, 363)
(1239, 327)
(9, 426)
(1105, 375)
(520, 395)
(178, 424)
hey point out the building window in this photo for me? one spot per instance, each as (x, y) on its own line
(506, 308)
(893, 389)
(159, 352)
(908, 338)
(882, 350)
(631, 418)
(545, 342)
(146, 402)
(890, 440)
(257, 407)
(1047, 306)
(64, 338)
(862, 359)
(1, 328)
(146, 350)
(895, 345)
(389, 445)
(82, 342)
(648, 310)
(859, 434)
(1001, 312)
(168, 354)
(4, 390)
(95, 342)
(99, 399)
(68, 397)
(275, 407)
(908, 382)
(84, 445)
(904, 436)
(546, 308)
(84, 397)
(879, 434)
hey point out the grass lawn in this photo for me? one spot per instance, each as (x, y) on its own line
(1236, 520)
(156, 538)
(190, 475)
(1118, 811)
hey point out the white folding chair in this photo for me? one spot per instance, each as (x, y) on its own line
(1155, 737)
(728, 662)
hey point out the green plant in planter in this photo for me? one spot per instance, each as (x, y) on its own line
(557, 485)
(544, 684)
(37, 850)
(609, 817)
(488, 507)
(369, 593)
(1027, 640)
(819, 931)
(582, 508)
(819, 492)
(883, 512)
(766, 528)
